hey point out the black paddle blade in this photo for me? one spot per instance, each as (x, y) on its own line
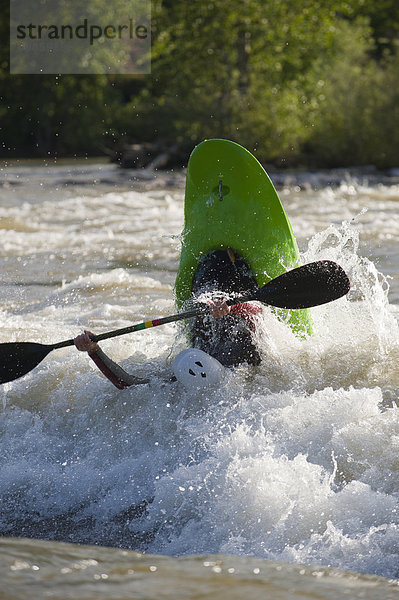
(310, 285)
(18, 358)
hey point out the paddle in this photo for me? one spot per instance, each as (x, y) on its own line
(310, 285)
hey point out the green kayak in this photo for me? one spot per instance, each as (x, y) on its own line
(230, 202)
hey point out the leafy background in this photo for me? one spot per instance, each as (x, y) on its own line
(300, 82)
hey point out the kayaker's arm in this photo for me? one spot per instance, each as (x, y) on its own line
(118, 376)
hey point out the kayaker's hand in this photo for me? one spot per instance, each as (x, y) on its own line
(218, 308)
(85, 344)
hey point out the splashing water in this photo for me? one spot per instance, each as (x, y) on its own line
(295, 460)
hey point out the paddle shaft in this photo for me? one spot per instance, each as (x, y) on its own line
(154, 323)
(309, 285)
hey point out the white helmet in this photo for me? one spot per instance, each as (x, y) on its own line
(197, 369)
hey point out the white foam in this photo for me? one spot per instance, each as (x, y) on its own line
(294, 460)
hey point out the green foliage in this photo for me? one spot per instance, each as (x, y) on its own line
(61, 115)
(299, 81)
(383, 17)
(353, 124)
(244, 77)
(44, 115)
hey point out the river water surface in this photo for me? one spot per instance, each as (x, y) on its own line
(274, 485)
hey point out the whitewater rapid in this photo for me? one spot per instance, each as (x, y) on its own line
(295, 460)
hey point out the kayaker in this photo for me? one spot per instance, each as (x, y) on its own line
(224, 333)
(230, 340)
(122, 379)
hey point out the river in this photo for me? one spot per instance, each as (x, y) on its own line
(283, 481)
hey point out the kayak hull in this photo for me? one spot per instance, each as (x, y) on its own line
(230, 202)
